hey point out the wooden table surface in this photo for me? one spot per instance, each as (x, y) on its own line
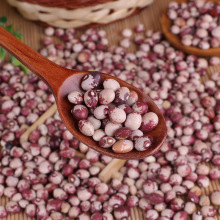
(33, 35)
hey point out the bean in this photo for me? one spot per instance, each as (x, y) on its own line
(86, 127)
(140, 107)
(117, 115)
(106, 96)
(123, 146)
(95, 122)
(133, 121)
(111, 128)
(101, 111)
(91, 98)
(143, 143)
(149, 122)
(121, 95)
(92, 80)
(111, 84)
(123, 133)
(75, 97)
(98, 134)
(106, 142)
(215, 199)
(79, 112)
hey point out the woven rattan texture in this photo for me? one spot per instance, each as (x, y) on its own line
(74, 18)
(66, 3)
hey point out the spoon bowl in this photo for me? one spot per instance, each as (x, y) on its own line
(73, 83)
(62, 81)
(174, 39)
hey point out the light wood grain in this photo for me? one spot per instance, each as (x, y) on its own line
(50, 112)
(150, 17)
(110, 169)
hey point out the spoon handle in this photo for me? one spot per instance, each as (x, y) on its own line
(49, 72)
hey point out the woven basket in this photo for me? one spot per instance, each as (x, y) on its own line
(77, 13)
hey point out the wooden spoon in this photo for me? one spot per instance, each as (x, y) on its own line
(62, 81)
(175, 40)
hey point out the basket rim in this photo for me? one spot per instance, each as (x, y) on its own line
(68, 4)
(94, 25)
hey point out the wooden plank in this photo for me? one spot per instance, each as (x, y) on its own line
(111, 169)
(51, 111)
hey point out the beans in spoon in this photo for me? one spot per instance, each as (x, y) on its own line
(112, 114)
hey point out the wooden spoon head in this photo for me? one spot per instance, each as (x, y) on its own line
(64, 106)
(174, 39)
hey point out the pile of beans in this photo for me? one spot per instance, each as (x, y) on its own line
(166, 186)
(23, 99)
(197, 23)
(105, 108)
